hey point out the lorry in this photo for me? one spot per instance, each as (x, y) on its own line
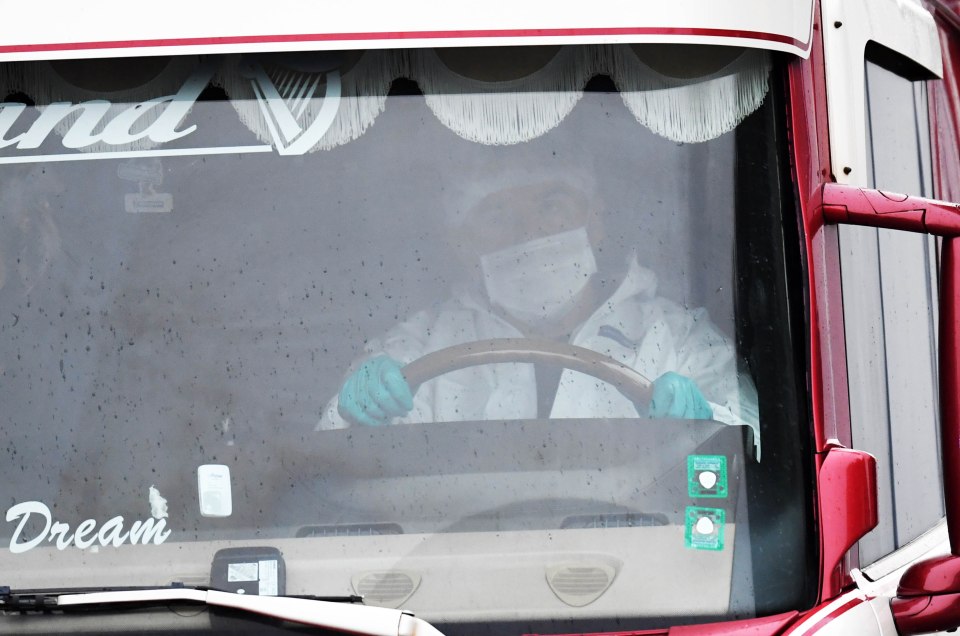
(269, 361)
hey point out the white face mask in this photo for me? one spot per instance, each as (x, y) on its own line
(538, 281)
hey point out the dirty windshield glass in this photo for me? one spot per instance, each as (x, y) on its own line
(496, 336)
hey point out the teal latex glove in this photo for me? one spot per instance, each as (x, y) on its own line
(677, 396)
(375, 393)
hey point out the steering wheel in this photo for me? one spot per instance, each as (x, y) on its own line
(631, 383)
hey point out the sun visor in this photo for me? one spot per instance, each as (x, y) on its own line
(29, 32)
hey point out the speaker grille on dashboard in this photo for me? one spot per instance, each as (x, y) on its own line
(386, 588)
(580, 584)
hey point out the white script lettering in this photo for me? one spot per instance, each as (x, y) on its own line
(118, 131)
(110, 533)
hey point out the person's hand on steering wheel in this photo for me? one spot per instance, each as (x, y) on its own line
(375, 393)
(678, 396)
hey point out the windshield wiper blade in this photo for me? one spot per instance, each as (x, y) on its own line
(339, 616)
(45, 599)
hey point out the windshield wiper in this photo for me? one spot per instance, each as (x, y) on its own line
(340, 616)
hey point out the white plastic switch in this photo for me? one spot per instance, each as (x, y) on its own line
(705, 525)
(213, 487)
(708, 479)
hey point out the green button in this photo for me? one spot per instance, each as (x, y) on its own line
(707, 476)
(704, 528)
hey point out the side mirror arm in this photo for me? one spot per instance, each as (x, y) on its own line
(928, 597)
(874, 208)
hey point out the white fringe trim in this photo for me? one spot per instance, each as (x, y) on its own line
(501, 113)
(690, 111)
(11, 79)
(511, 112)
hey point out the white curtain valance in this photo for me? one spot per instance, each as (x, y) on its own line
(503, 112)
(514, 111)
(690, 111)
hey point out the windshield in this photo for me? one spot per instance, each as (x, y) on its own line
(494, 335)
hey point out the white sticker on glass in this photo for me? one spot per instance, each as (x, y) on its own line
(87, 533)
(242, 572)
(293, 131)
(214, 491)
(268, 578)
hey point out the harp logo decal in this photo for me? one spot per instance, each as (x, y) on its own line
(283, 100)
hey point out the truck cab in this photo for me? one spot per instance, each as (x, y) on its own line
(521, 319)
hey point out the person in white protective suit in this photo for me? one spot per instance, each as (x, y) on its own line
(528, 240)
